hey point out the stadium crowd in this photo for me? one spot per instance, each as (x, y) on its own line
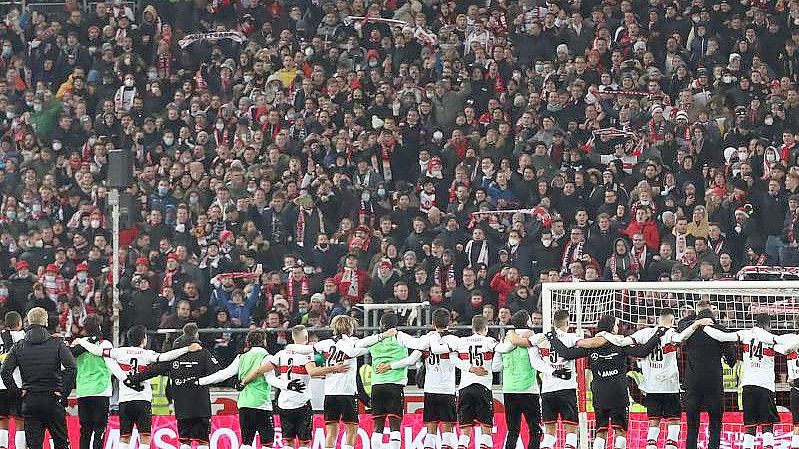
(294, 158)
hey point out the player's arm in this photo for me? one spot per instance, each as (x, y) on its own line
(175, 353)
(415, 343)
(522, 339)
(315, 370)
(365, 342)
(110, 363)
(567, 353)
(690, 329)
(620, 340)
(787, 343)
(646, 348)
(505, 347)
(538, 362)
(223, 374)
(97, 350)
(594, 342)
(720, 335)
(443, 345)
(300, 349)
(414, 357)
(464, 365)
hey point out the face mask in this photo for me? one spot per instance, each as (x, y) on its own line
(3, 292)
(168, 141)
(302, 310)
(381, 192)
(128, 82)
(152, 76)
(82, 276)
(372, 63)
(546, 243)
(37, 208)
(743, 156)
(539, 68)
(163, 191)
(220, 126)
(11, 214)
(307, 270)
(37, 107)
(193, 200)
(49, 277)
(10, 115)
(247, 78)
(7, 52)
(180, 227)
(727, 79)
(85, 223)
(513, 242)
(95, 224)
(57, 146)
(365, 196)
(251, 189)
(771, 157)
(768, 121)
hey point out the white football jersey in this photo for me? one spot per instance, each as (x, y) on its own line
(133, 359)
(475, 350)
(550, 383)
(341, 350)
(793, 365)
(660, 371)
(15, 337)
(757, 346)
(439, 377)
(292, 365)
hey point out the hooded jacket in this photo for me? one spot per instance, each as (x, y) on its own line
(40, 357)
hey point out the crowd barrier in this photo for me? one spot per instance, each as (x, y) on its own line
(225, 432)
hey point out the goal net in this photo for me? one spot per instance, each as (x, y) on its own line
(638, 304)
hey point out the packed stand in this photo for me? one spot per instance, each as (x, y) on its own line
(293, 159)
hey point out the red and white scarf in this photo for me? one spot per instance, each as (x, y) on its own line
(300, 237)
(571, 252)
(637, 259)
(444, 275)
(305, 289)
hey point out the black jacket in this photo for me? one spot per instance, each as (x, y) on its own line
(703, 358)
(143, 307)
(191, 400)
(40, 358)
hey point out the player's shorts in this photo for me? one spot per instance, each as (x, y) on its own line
(254, 420)
(662, 405)
(795, 406)
(759, 406)
(439, 408)
(616, 417)
(194, 428)
(475, 405)
(388, 399)
(341, 408)
(138, 413)
(296, 423)
(10, 404)
(561, 403)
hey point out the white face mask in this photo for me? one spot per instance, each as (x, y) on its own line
(128, 82)
(49, 277)
(82, 276)
(180, 227)
(95, 224)
(768, 121)
(220, 126)
(546, 243)
(513, 242)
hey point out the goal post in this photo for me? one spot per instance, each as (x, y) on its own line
(637, 304)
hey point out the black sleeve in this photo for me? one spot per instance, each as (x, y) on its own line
(730, 353)
(77, 350)
(211, 363)
(685, 322)
(7, 371)
(568, 353)
(70, 369)
(644, 349)
(159, 369)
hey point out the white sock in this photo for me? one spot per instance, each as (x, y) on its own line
(448, 440)
(548, 442)
(245, 446)
(621, 443)
(749, 441)
(768, 440)
(4, 438)
(394, 440)
(429, 441)
(599, 443)
(571, 441)
(488, 442)
(182, 446)
(127, 445)
(144, 446)
(202, 446)
(795, 441)
(19, 440)
(346, 446)
(652, 437)
(376, 440)
(463, 441)
(673, 436)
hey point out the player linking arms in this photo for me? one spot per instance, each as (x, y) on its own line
(757, 381)
(608, 364)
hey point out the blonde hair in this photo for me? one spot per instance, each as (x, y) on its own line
(299, 332)
(343, 325)
(37, 315)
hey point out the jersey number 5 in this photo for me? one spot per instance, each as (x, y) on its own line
(476, 356)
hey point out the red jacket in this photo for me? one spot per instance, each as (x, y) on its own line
(343, 280)
(649, 230)
(503, 287)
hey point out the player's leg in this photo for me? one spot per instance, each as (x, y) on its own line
(431, 421)
(266, 428)
(350, 417)
(303, 422)
(144, 422)
(513, 418)
(620, 419)
(569, 415)
(395, 408)
(672, 413)
(201, 432)
(448, 414)
(379, 398)
(19, 433)
(653, 403)
(4, 432)
(248, 424)
(692, 408)
(602, 423)
(431, 437)
(714, 403)
(184, 436)
(769, 416)
(549, 417)
(532, 415)
(751, 408)
(485, 418)
(126, 422)
(332, 418)
(350, 436)
(467, 414)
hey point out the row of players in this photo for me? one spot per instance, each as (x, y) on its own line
(521, 356)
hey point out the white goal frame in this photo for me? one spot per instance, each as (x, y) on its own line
(693, 290)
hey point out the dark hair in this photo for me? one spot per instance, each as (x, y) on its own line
(93, 325)
(520, 319)
(479, 323)
(606, 323)
(256, 338)
(389, 320)
(190, 330)
(13, 319)
(441, 318)
(763, 320)
(135, 335)
(666, 311)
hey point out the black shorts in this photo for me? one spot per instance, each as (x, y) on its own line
(559, 404)
(10, 404)
(662, 405)
(341, 408)
(795, 406)
(759, 406)
(439, 408)
(138, 413)
(254, 420)
(616, 417)
(296, 423)
(93, 412)
(475, 405)
(388, 400)
(194, 428)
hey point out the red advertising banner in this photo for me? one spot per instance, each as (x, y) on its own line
(225, 433)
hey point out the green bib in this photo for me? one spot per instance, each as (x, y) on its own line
(518, 375)
(93, 378)
(258, 393)
(388, 351)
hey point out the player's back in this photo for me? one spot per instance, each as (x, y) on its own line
(132, 359)
(7, 340)
(341, 350)
(757, 345)
(439, 375)
(660, 370)
(477, 350)
(550, 383)
(292, 365)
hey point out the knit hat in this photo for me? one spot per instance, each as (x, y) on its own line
(52, 268)
(83, 266)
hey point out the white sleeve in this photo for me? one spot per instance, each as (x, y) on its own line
(407, 361)
(365, 342)
(685, 334)
(496, 363)
(417, 343)
(787, 344)
(171, 355)
(721, 335)
(112, 364)
(538, 362)
(504, 347)
(618, 340)
(96, 349)
(275, 381)
(222, 374)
